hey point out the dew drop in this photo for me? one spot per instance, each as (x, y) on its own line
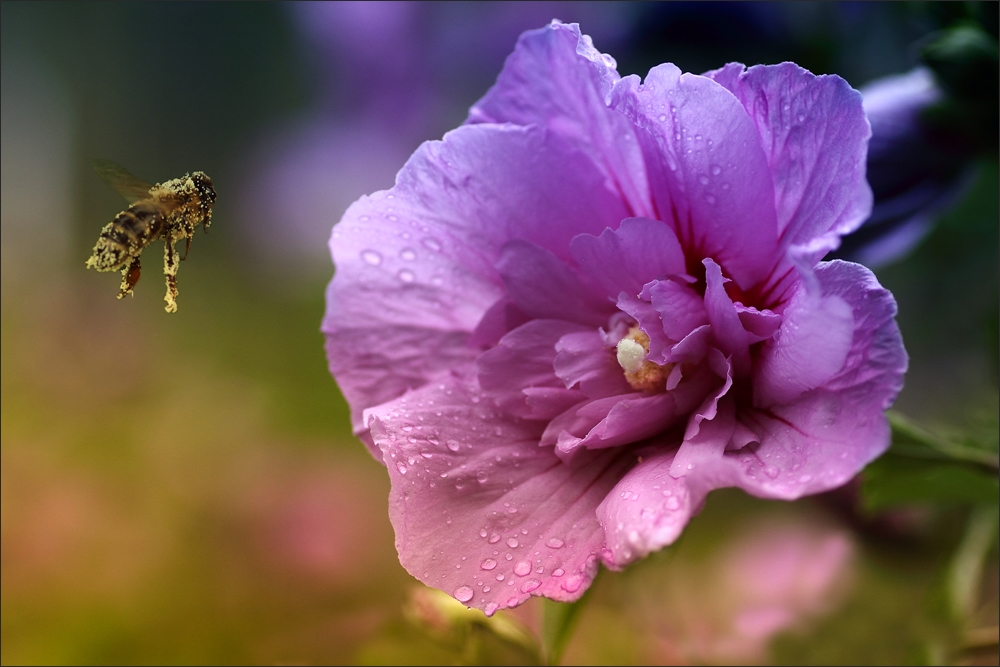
(558, 572)
(452, 445)
(494, 605)
(494, 538)
(672, 503)
(530, 585)
(716, 170)
(522, 568)
(432, 244)
(481, 477)
(500, 577)
(408, 254)
(573, 583)
(488, 564)
(482, 532)
(703, 179)
(463, 594)
(555, 543)
(663, 118)
(511, 602)
(401, 468)
(371, 257)
(512, 543)
(406, 276)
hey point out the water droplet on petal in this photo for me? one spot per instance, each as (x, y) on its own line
(716, 170)
(558, 572)
(511, 542)
(408, 254)
(500, 577)
(663, 118)
(494, 538)
(406, 276)
(522, 568)
(530, 585)
(371, 257)
(488, 564)
(432, 244)
(573, 583)
(555, 543)
(401, 468)
(672, 503)
(481, 477)
(703, 179)
(492, 607)
(453, 445)
(511, 602)
(463, 594)
(482, 532)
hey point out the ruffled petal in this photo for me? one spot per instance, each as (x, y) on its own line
(646, 510)
(416, 264)
(625, 259)
(815, 135)
(807, 350)
(541, 285)
(582, 360)
(708, 173)
(524, 359)
(556, 79)
(485, 514)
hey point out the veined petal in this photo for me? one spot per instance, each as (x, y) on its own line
(708, 174)
(486, 514)
(815, 134)
(556, 79)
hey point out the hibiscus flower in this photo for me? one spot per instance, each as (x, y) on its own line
(598, 300)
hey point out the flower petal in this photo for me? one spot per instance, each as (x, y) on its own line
(716, 188)
(541, 285)
(625, 259)
(556, 79)
(646, 510)
(486, 515)
(808, 348)
(425, 251)
(583, 359)
(524, 359)
(815, 134)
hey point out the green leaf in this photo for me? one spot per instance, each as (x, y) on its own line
(895, 480)
(909, 439)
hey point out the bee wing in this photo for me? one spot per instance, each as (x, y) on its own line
(124, 183)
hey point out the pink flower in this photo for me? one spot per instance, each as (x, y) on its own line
(598, 300)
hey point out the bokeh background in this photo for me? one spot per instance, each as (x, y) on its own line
(185, 488)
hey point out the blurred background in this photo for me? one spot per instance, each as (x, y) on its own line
(186, 488)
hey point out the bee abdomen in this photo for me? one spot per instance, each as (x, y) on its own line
(126, 236)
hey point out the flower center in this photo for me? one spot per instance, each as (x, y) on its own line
(641, 374)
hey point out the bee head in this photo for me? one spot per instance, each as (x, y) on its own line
(203, 184)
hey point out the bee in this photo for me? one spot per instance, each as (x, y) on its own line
(171, 211)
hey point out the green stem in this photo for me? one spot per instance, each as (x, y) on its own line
(966, 570)
(559, 619)
(948, 450)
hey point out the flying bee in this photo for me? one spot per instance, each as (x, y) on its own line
(171, 211)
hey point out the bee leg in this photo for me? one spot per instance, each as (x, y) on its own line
(130, 276)
(171, 262)
(187, 247)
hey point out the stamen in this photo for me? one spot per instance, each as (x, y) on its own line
(641, 374)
